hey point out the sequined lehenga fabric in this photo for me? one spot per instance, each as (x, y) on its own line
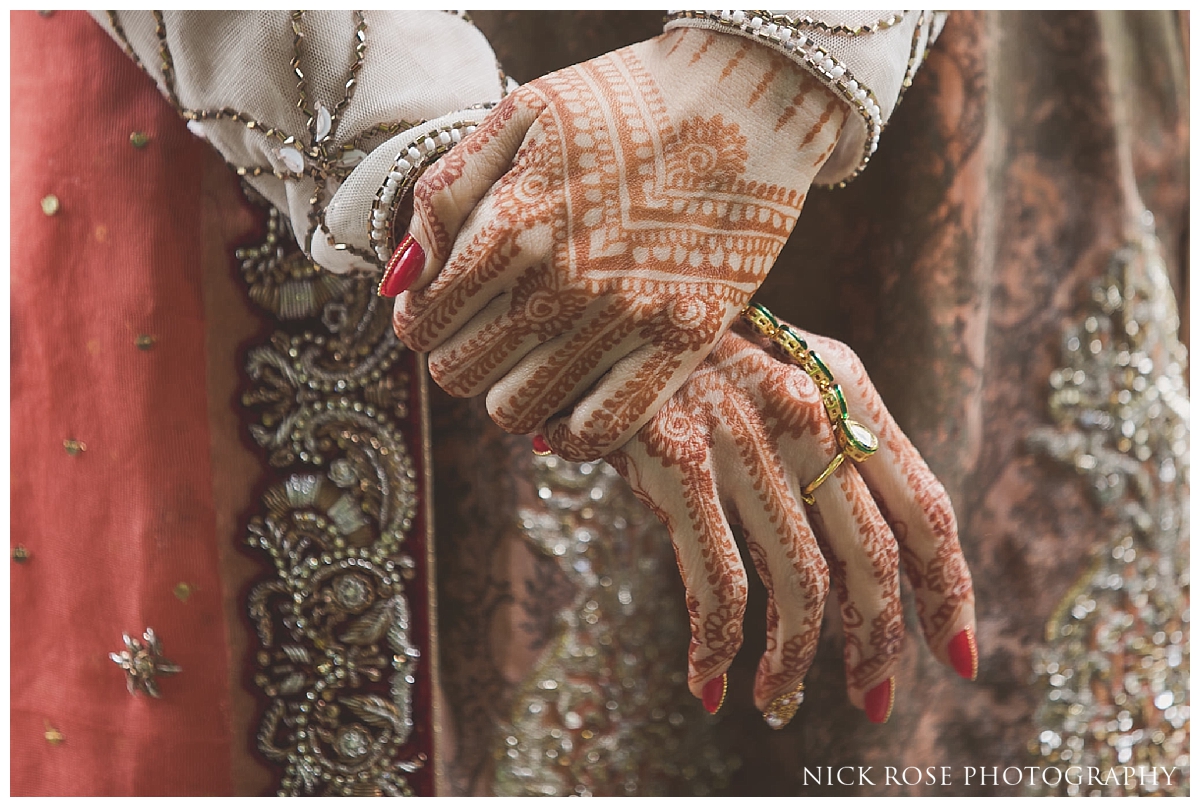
(1007, 269)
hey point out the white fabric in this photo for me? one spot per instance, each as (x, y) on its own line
(879, 62)
(417, 66)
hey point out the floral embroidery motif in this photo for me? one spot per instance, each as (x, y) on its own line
(337, 656)
(143, 661)
(317, 159)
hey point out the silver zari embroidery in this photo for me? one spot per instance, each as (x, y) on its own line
(335, 656)
(1115, 665)
(143, 661)
(599, 715)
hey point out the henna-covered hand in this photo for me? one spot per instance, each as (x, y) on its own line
(739, 441)
(581, 253)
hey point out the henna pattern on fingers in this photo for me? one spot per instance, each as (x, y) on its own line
(773, 417)
(663, 220)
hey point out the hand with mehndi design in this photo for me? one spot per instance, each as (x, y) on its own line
(581, 253)
(740, 441)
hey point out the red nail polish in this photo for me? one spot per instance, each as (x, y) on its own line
(964, 655)
(713, 694)
(541, 447)
(404, 267)
(879, 701)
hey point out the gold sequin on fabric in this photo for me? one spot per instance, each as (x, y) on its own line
(1114, 669)
(183, 592)
(50, 204)
(139, 140)
(74, 447)
(53, 735)
(607, 711)
(334, 655)
(20, 554)
(144, 342)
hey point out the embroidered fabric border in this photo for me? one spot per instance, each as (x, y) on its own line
(342, 619)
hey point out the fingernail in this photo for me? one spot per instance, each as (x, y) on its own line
(879, 701)
(404, 267)
(541, 447)
(964, 655)
(780, 711)
(713, 694)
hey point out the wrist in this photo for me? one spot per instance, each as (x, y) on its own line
(792, 119)
(865, 58)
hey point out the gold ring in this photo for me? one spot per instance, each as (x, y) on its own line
(807, 491)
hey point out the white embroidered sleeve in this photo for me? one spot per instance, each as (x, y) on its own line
(329, 114)
(867, 58)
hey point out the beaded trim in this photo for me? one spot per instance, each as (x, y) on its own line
(407, 167)
(119, 30)
(914, 58)
(843, 30)
(167, 62)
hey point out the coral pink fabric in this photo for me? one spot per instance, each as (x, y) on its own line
(113, 530)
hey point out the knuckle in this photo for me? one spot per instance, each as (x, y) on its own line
(521, 96)
(511, 412)
(441, 370)
(840, 355)
(426, 195)
(887, 560)
(575, 451)
(849, 358)
(404, 325)
(585, 442)
(739, 585)
(430, 182)
(402, 322)
(502, 415)
(935, 508)
(819, 584)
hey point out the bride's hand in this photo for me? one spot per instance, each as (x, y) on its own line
(578, 256)
(740, 441)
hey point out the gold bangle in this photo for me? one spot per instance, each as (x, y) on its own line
(806, 493)
(855, 440)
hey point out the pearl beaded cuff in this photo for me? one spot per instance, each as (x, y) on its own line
(360, 234)
(421, 150)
